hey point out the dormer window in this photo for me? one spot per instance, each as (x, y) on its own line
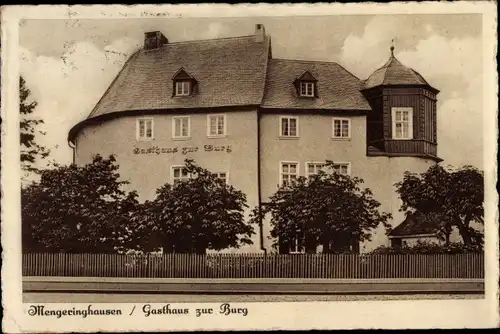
(307, 89)
(184, 83)
(306, 85)
(182, 88)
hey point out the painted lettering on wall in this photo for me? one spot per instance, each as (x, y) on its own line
(182, 150)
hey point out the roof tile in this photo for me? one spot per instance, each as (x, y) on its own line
(337, 88)
(229, 72)
(417, 224)
(394, 73)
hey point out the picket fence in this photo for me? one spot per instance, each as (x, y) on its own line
(346, 266)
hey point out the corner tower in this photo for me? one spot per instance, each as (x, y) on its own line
(403, 120)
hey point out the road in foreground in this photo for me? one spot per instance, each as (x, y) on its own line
(181, 298)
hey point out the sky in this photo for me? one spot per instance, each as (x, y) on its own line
(68, 64)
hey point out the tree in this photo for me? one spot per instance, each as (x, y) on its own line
(193, 215)
(77, 209)
(456, 196)
(328, 209)
(30, 150)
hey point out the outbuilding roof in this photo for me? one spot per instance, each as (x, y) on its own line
(417, 224)
(336, 87)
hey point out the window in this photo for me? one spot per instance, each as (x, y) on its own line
(297, 244)
(289, 126)
(182, 88)
(179, 173)
(289, 172)
(180, 127)
(216, 125)
(341, 128)
(342, 168)
(222, 176)
(307, 89)
(402, 123)
(144, 130)
(313, 168)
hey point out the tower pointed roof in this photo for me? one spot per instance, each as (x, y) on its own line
(393, 73)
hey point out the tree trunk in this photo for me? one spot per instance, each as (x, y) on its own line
(167, 246)
(283, 247)
(311, 246)
(463, 229)
(447, 233)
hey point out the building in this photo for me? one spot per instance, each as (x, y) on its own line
(418, 228)
(428, 228)
(259, 121)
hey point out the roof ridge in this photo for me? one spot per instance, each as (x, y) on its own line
(319, 62)
(207, 40)
(387, 63)
(266, 65)
(417, 75)
(384, 68)
(307, 61)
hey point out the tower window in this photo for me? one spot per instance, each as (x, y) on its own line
(402, 123)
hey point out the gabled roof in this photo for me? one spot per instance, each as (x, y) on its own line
(306, 76)
(337, 89)
(394, 73)
(417, 224)
(181, 74)
(230, 72)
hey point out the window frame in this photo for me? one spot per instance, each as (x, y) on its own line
(224, 127)
(344, 163)
(281, 135)
(182, 83)
(349, 129)
(394, 110)
(172, 180)
(138, 131)
(306, 83)
(281, 170)
(227, 176)
(297, 249)
(315, 163)
(174, 119)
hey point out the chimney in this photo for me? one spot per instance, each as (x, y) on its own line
(260, 32)
(154, 40)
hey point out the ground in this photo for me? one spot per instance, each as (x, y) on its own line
(180, 298)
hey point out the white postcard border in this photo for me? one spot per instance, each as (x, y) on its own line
(310, 315)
